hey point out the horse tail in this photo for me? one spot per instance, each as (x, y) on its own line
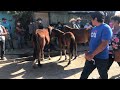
(72, 44)
(37, 41)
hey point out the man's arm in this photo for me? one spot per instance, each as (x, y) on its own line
(101, 47)
(4, 31)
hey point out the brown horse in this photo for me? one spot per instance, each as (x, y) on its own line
(66, 42)
(81, 35)
(41, 38)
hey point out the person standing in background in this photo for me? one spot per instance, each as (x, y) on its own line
(39, 24)
(20, 35)
(73, 23)
(31, 28)
(8, 27)
(78, 23)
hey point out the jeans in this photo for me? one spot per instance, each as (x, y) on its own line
(2, 49)
(100, 64)
(9, 41)
(20, 41)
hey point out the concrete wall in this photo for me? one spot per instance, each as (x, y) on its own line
(43, 16)
(64, 17)
(60, 16)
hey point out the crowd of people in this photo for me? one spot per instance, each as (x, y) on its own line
(7, 35)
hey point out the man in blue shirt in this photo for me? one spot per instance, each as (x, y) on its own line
(8, 27)
(98, 54)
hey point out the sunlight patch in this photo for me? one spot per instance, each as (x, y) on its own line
(17, 72)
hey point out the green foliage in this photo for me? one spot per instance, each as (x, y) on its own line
(23, 16)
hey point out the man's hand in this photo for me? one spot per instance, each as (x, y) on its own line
(88, 56)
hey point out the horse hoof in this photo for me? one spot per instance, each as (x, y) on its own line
(74, 58)
(65, 58)
(42, 59)
(34, 66)
(69, 63)
(49, 58)
(59, 59)
(39, 65)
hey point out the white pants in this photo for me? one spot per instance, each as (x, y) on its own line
(2, 38)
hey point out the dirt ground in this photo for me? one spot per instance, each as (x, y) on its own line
(51, 69)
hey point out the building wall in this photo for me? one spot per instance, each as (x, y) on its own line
(43, 16)
(60, 16)
(64, 17)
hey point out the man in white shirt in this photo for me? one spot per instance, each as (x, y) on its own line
(3, 33)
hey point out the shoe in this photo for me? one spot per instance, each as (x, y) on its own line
(4, 58)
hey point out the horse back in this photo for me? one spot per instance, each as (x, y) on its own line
(81, 35)
(68, 37)
(43, 34)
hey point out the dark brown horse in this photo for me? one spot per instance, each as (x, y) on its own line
(66, 42)
(41, 38)
(81, 35)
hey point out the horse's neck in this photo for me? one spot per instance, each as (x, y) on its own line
(49, 31)
(59, 33)
(68, 27)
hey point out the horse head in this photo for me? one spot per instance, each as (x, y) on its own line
(50, 28)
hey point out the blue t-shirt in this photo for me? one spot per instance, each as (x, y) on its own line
(99, 33)
(7, 25)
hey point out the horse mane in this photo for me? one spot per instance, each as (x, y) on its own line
(68, 26)
(59, 31)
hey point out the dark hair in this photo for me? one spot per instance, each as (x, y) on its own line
(116, 18)
(82, 26)
(51, 25)
(39, 19)
(99, 15)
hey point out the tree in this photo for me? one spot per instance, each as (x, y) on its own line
(23, 16)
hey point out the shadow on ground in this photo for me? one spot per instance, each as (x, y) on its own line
(27, 54)
(115, 77)
(24, 70)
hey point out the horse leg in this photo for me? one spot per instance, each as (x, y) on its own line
(39, 49)
(34, 61)
(70, 56)
(75, 51)
(42, 54)
(65, 54)
(34, 56)
(39, 58)
(60, 54)
(49, 54)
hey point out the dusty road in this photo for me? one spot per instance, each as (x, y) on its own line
(51, 69)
